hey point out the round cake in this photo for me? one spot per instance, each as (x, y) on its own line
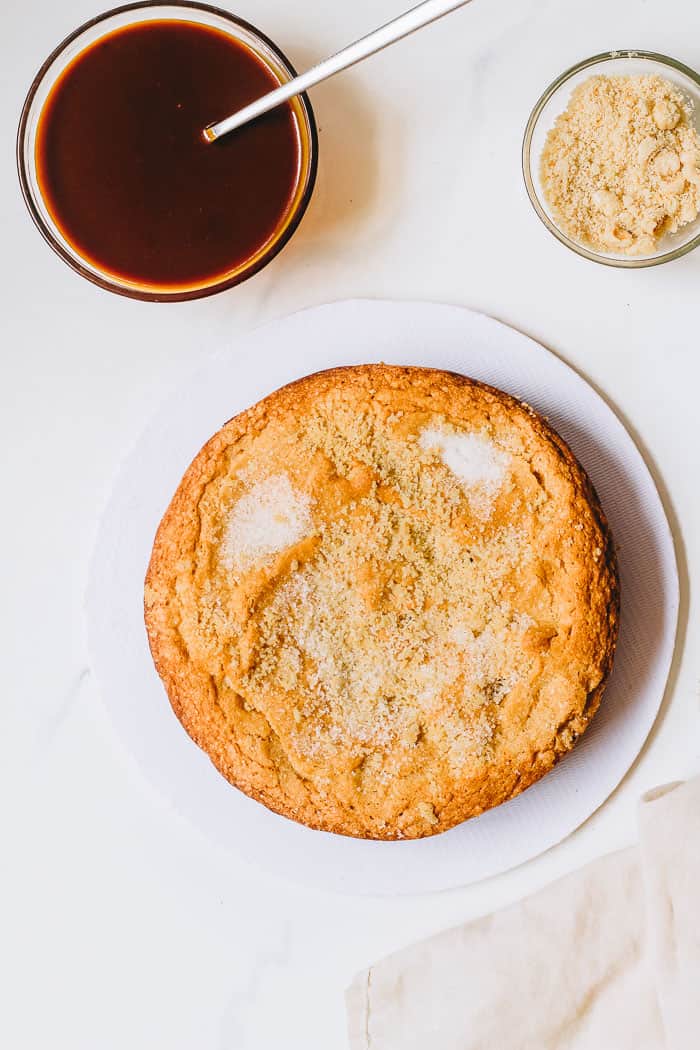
(384, 600)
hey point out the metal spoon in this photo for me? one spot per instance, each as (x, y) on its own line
(407, 23)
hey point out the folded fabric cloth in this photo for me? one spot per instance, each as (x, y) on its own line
(605, 959)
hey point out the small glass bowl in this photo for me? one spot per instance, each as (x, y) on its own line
(555, 100)
(78, 41)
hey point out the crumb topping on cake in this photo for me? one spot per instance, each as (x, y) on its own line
(383, 600)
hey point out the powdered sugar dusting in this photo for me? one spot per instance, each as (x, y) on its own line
(266, 520)
(478, 463)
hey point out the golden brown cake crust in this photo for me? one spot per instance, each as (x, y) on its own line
(384, 600)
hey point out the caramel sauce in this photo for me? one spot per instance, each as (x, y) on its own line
(126, 174)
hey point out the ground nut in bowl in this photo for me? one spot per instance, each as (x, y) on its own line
(611, 158)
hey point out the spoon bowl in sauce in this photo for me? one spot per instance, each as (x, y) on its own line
(114, 169)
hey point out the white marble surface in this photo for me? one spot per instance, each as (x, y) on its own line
(121, 926)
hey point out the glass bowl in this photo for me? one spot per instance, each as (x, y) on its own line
(555, 100)
(78, 41)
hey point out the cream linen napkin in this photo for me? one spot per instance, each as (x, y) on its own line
(605, 959)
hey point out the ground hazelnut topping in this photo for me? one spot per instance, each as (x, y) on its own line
(621, 166)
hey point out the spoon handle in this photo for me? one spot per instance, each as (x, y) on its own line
(422, 15)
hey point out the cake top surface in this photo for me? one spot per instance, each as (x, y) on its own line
(383, 599)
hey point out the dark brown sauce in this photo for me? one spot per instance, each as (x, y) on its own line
(126, 174)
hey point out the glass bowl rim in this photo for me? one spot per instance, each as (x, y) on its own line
(73, 259)
(623, 261)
